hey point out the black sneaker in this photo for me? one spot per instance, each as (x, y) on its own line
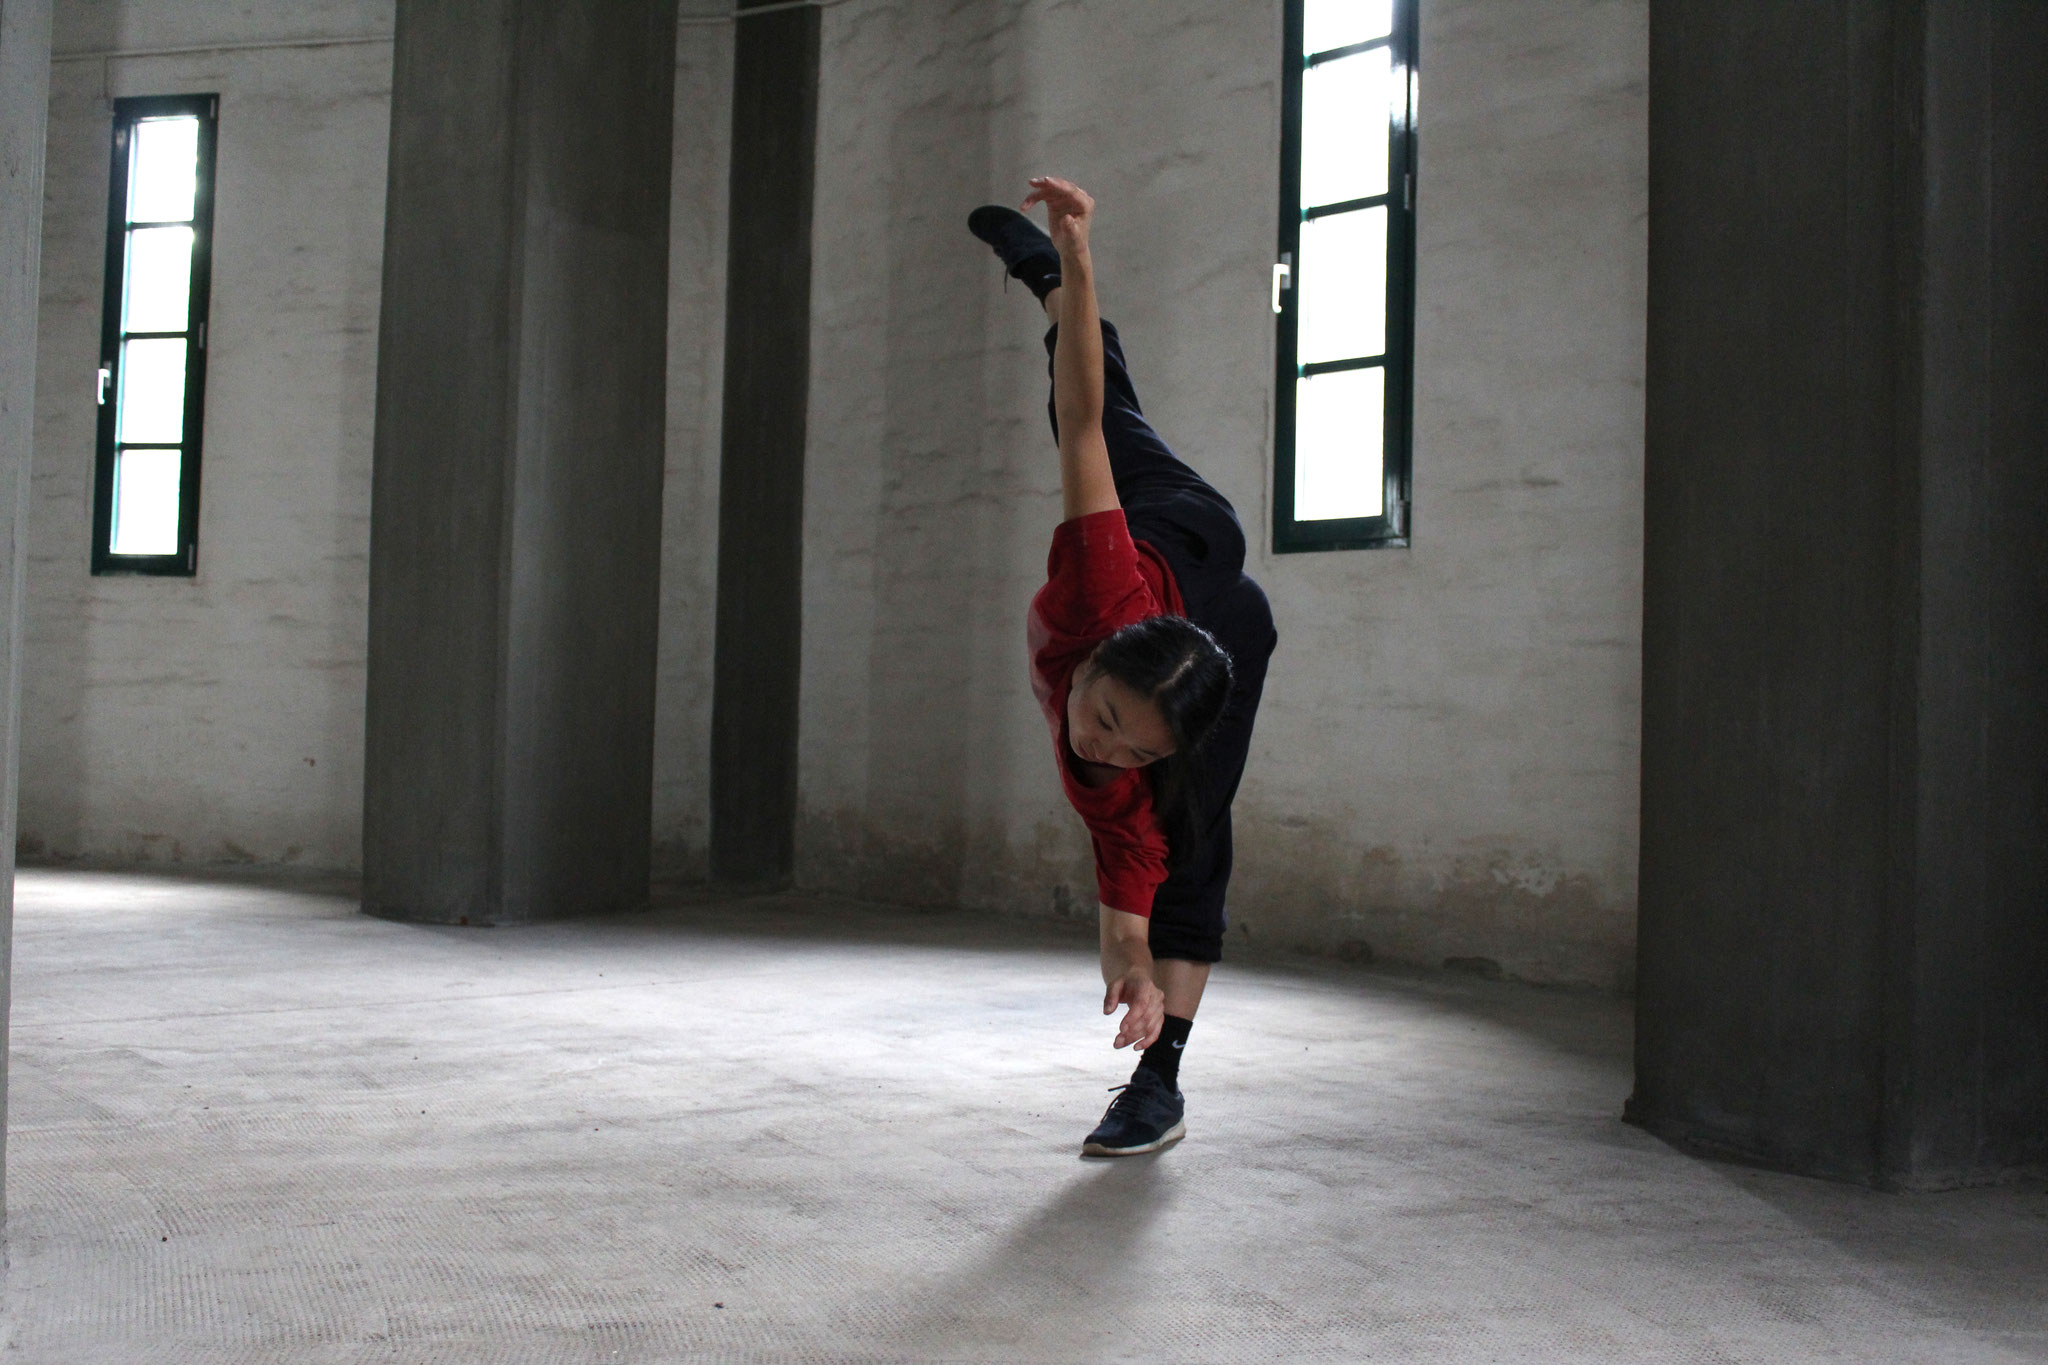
(1144, 1118)
(1021, 245)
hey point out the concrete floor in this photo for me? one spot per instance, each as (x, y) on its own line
(250, 1125)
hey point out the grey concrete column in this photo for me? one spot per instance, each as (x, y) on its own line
(761, 489)
(1844, 924)
(24, 108)
(515, 529)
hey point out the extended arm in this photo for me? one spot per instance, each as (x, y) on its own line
(1127, 971)
(1086, 485)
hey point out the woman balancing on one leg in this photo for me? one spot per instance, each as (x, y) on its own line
(1148, 652)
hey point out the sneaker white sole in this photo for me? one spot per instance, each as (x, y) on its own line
(1165, 1139)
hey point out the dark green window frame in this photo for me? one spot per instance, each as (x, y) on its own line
(1392, 527)
(117, 340)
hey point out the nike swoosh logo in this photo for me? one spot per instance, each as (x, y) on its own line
(1178, 1046)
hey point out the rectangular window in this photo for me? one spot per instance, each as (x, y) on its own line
(1344, 284)
(152, 381)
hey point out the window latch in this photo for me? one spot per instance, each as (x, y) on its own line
(106, 377)
(1283, 277)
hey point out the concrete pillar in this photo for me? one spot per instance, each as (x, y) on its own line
(24, 106)
(761, 504)
(1845, 715)
(515, 529)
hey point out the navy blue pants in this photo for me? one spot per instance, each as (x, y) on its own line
(1195, 529)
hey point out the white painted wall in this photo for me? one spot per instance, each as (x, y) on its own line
(24, 110)
(217, 718)
(1446, 759)
(220, 720)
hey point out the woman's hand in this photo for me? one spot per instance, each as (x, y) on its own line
(1147, 1013)
(1068, 211)
(1127, 972)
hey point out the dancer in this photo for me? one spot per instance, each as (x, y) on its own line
(1148, 653)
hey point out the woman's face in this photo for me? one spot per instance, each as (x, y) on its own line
(1109, 723)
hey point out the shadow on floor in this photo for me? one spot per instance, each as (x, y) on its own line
(1968, 1255)
(1075, 1248)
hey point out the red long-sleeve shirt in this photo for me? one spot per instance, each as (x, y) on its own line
(1097, 581)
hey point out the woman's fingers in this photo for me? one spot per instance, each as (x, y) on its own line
(1116, 995)
(1144, 1018)
(1140, 1030)
(1144, 1033)
(1057, 194)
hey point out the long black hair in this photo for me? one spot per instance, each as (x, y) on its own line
(1185, 673)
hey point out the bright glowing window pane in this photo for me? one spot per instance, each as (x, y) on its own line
(146, 502)
(1343, 284)
(152, 393)
(159, 280)
(1339, 445)
(1340, 23)
(1345, 128)
(163, 173)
